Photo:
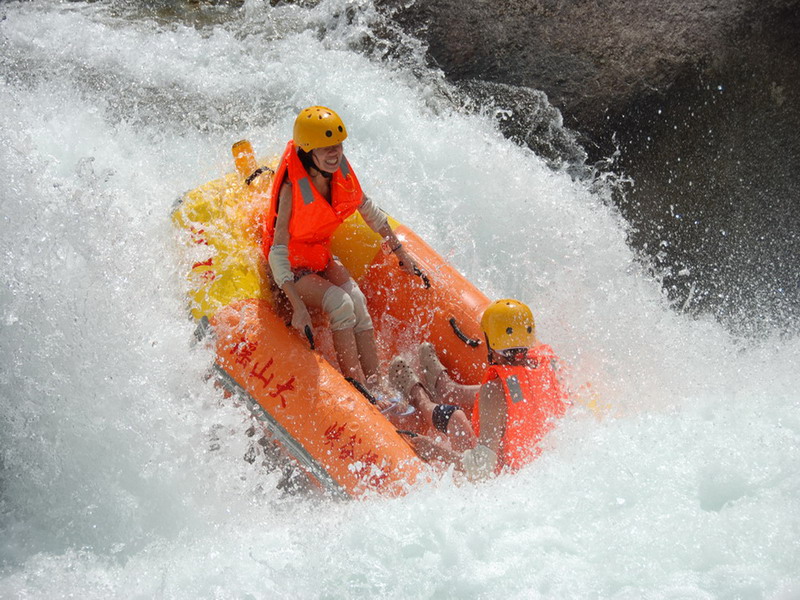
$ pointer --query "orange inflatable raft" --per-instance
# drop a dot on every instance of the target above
(313, 414)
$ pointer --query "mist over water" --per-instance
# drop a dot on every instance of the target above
(121, 466)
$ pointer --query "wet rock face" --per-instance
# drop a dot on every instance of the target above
(593, 59)
(717, 169)
(526, 116)
(701, 97)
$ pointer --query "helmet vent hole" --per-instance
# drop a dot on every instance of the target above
(509, 330)
(530, 329)
(340, 129)
(328, 133)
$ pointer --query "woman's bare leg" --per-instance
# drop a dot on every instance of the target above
(459, 394)
(368, 354)
(366, 347)
(312, 290)
(344, 343)
(442, 387)
(459, 429)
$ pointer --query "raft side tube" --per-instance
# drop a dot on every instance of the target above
(290, 446)
(304, 395)
(218, 219)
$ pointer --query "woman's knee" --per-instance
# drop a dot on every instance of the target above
(363, 319)
(339, 307)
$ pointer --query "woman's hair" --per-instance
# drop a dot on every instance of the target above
(308, 163)
(306, 160)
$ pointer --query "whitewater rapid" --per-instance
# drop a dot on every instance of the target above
(121, 466)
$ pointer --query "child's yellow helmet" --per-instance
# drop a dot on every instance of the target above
(508, 324)
(318, 127)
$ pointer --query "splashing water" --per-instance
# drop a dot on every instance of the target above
(121, 471)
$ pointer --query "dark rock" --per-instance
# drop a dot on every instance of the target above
(717, 169)
(698, 99)
(593, 59)
(527, 117)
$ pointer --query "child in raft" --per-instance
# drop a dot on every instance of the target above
(512, 409)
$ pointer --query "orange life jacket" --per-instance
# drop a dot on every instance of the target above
(534, 398)
(313, 219)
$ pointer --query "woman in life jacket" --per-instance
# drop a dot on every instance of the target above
(314, 190)
(514, 406)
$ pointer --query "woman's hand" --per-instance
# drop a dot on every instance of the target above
(301, 319)
(407, 263)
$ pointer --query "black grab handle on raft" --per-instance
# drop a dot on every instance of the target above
(422, 276)
(418, 272)
(360, 387)
(472, 343)
(256, 173)
(310, 336)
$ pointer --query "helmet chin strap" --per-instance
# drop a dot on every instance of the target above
(322, 172)
(307, 159)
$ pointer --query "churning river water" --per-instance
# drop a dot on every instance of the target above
(121, 469)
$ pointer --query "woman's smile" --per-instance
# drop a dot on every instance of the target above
(328, 158)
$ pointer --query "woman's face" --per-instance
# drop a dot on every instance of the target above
(328, 158)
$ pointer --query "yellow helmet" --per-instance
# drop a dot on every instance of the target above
(508, 324)
(317, 127)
